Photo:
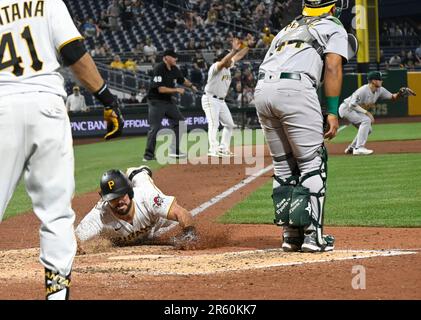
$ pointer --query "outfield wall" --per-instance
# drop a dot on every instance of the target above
(91, 124)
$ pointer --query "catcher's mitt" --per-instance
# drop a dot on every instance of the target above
(114, 120)
(405, 92)
(187, 239)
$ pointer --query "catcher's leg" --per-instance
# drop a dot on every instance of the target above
(313, 180)
(285, 179)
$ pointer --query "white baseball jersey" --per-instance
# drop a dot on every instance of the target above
(151, 205)
(76, 103)
(364, 97)
(301, 57)
(31, 35)
(218, 81)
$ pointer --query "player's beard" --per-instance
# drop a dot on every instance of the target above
(123, 209)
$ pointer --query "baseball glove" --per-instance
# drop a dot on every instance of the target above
(188, 239)
(114, 120)
(405, 92)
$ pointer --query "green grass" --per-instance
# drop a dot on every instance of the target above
(381, 190)
(383, 132)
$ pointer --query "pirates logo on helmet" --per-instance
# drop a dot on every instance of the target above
(115, 184)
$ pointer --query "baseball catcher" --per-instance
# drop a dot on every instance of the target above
(132, 209)
(356, 109)
(307, 52)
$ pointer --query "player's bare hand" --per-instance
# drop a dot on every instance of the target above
(180, 90)
(236, 44)
(332, 126)
(187, 240)
(370, 116)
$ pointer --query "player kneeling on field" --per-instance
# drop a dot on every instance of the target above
(132, 209)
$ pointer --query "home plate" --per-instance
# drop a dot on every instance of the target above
(168, 264)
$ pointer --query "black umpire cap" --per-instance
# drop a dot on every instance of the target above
(170, 52)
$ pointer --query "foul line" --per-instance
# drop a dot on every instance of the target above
(218, 198)
(342, 128)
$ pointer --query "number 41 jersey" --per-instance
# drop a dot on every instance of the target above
(32, 32)
(300, 56)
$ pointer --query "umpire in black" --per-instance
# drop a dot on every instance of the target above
(161, 105)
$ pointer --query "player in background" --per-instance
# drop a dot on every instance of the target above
(213, 100)
(34, 125)
(355, 110)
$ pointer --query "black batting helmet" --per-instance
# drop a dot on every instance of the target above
(115, 184)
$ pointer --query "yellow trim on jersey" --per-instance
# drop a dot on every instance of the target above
(69, 41)
(169, 208)
(315, 12)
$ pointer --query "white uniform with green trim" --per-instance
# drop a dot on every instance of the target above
(151, 211)
(364, 98)
(36, 139)
(216, 109)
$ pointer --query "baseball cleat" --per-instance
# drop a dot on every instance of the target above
(361, 151)
(213, 154)
(131, 172)
(292, 244)
(310, 243)
(225, 153)
(349, 150)
(178, 155)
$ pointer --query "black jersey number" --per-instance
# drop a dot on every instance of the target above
(8, 49)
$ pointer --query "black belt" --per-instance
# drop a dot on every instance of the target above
(283, 75)
(216, 97)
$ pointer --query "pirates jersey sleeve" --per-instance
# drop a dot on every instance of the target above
(154, 200)
(213, 70)
(92, 224)
(62, 28)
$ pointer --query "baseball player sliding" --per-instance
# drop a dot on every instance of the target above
(355, 110)
(34, 126)
(132, 209)
(213, 101)
(310, 48)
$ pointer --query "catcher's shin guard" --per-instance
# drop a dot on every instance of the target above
(315, 182)
(282, 199)
(57, 286)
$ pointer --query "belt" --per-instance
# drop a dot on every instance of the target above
(282, 75)
(216, 97)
